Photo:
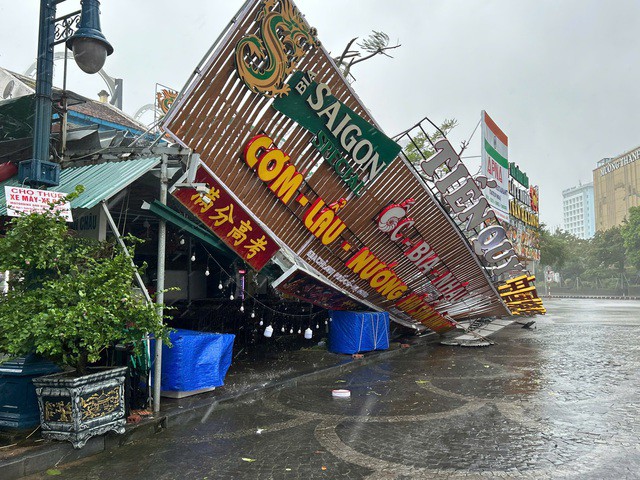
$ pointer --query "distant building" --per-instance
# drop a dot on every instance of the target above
(616, 183)
(578, 211)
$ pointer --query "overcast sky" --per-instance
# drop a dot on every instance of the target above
(560, 77)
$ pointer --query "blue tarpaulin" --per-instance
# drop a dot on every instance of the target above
(197, 360)
(354, 332)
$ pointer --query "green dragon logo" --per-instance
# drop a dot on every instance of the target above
(263, 62)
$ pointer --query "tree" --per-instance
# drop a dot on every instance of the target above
(631, 236)
(69, 297)
(608, 250)
(420, 148)
(553, 248)
(377, 43)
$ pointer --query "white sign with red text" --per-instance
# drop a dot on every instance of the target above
(22, 201)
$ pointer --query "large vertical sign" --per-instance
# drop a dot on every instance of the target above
(495, 164)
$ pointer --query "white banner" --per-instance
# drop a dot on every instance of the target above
(22, 200)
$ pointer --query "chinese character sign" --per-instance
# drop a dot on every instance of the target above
(228, 220)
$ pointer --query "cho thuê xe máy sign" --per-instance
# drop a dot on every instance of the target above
(217, 209)
(357, 151)
(23, 201)
(264, 61)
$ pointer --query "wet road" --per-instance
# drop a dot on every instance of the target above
(560, 401)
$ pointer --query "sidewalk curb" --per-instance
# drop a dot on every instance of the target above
(53, 454)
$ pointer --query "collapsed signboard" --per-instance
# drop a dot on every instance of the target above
(277, 125)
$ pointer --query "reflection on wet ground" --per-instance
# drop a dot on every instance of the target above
(558, 401)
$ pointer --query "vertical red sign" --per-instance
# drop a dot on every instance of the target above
(228, 220)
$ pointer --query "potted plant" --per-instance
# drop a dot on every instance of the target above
(69, 299)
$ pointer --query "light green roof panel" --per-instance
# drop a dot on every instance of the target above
(101, 181)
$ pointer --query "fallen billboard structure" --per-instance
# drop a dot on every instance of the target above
(278, 128)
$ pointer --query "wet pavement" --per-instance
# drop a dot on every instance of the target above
(558, 401)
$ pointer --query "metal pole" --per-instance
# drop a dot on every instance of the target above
(44, 80)
(162, 241)
(65, 116)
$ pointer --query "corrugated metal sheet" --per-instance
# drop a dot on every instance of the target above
(100, 181)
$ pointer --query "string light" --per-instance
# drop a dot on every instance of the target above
(291, 330)
(317, 326)
(231, 297)
(299, 331)
(242, 307)
(264, 306)
(207, 272)
(261, 322)
(193, 257)
(181, 241)
(282, 329)
(253, 314)
(268, 331)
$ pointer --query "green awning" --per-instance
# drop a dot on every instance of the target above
(188, 226)
(100, 181)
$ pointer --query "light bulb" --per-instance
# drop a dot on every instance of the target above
(325, 322)
(261, 323)
(231, 297)
(317, 326)
(291, 331)
(206, 272)
(253, 314)
(268, 331)
(182, 241)
(220, 287)
(299, 331)
(282, 329)
(242, 308)
(193, 257)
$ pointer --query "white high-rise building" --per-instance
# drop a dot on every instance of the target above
(579, 211)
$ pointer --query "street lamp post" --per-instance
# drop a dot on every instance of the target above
(90, 49)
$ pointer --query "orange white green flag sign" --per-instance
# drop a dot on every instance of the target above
(495, 165)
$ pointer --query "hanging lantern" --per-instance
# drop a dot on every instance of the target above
(268, 331)
(308, 333)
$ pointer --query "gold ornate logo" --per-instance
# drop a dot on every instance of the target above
(165, 98)
(264, 61)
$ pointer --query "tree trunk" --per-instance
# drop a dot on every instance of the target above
(82, 367)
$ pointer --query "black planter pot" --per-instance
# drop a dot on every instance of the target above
(78, 408)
